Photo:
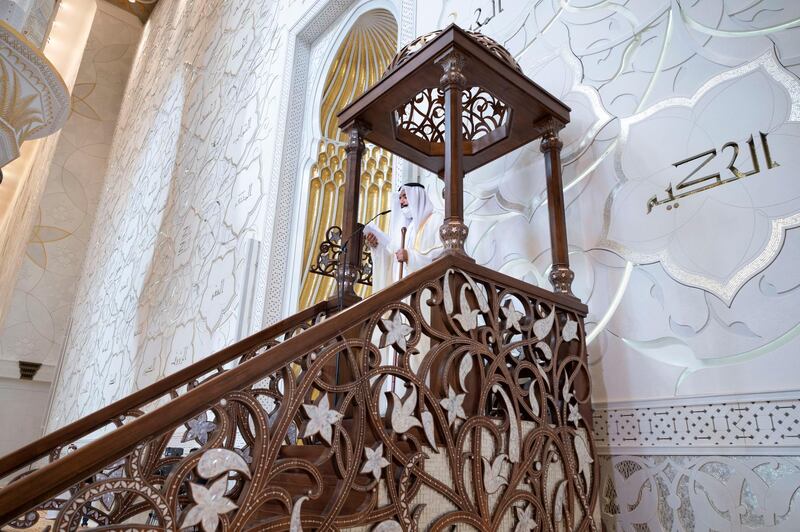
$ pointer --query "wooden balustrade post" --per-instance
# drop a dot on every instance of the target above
(453, 231)
(560, 275)
(350, 259)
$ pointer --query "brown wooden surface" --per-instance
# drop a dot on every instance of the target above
(56, 477)
(555, 201)
(84, 426)
(453, 150)
(529, 102)
(352, 189)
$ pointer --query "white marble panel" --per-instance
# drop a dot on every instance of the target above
(185, 186)
(35, 326)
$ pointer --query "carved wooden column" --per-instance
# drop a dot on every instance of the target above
(560, 275)
(453, 231)
(350, 260)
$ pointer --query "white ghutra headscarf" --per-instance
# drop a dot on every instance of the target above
(415, 215)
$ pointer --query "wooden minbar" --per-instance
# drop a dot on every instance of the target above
(452, 101)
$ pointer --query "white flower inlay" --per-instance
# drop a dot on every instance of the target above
(375, 461)
(533, 399)
(492, 479)
(402, 418)
(574, 415)
(566, 395)
(468, 317)
(199, 429)
(525, 521)
(544, 347)
(512, 316)
(585, 459)
(295, 521)
(396, 331)
(214, 462)
(453, 404)
(542, 327)
(211, 503)
(428, 425)
(463, 370)
(321, 418)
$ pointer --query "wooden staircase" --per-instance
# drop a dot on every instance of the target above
(288, 430)
(509, 387)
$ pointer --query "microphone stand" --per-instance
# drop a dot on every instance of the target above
(343, 257)
(340, 273)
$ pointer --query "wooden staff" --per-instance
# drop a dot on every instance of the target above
(402, 246)
(403, 231)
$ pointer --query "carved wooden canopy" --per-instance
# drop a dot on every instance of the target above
(502, 108)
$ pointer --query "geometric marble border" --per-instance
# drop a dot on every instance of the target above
(730, 425)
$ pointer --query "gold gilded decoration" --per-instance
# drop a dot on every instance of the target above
(716, 178)
(358, 64)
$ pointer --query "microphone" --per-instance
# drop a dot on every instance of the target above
(342, 251)
(360, 229)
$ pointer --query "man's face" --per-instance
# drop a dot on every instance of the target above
(403, 198)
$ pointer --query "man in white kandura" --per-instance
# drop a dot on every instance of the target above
(412, 209)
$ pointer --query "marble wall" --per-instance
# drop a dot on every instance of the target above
(700, 492)
(182, 200)
(24, 406)
(691, 294)
(38, 316)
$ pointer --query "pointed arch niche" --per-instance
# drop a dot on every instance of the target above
(359, 62)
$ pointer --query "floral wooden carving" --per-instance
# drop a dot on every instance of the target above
(488, 434)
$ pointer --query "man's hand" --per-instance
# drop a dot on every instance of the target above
(372, 240)
(402, 255)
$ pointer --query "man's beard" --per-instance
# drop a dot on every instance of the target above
(406, 211)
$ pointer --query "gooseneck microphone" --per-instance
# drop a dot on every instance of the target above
(360, 229)
(342, 251)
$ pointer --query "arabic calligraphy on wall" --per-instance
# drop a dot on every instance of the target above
(482, 14)
(687, 186)
(722, 236)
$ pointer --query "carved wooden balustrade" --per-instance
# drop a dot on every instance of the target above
(485, 425)
(51, 447)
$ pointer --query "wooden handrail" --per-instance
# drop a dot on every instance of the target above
(40, 448)
(58, 476)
